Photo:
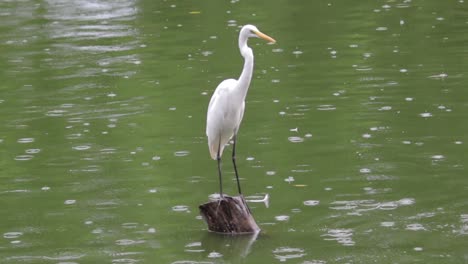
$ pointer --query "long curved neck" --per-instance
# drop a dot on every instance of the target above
(246, 75)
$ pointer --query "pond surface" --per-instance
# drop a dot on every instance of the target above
(355, 126)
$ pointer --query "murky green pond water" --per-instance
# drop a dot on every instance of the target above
(355, 125)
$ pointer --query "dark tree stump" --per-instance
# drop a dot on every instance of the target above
(230, 215)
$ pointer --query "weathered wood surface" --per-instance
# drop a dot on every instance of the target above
(230, 215)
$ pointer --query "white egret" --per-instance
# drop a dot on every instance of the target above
(227, 104)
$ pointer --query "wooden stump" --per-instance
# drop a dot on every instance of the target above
(230, 215)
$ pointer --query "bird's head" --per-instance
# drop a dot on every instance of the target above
(251, 31)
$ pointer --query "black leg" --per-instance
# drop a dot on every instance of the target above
(234, 163)
(218, 157)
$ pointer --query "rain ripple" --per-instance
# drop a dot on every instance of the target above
(180, 208)
(358, 206)
(12, 235)
(25, 140)
(341, 235)
(285, 253)
(23, 157)
(128, 242)
(194, 247)
(464, 225)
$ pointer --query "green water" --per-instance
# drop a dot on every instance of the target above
(355, 125)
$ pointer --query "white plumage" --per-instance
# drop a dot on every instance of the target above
(227, 104)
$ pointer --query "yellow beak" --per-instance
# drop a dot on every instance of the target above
(265, 37)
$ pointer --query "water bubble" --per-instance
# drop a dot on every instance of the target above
(387, 224)
(23, 157)
(207, 53)
(32, 151)
(215, 255)
(289, 179)
(156, 158)
(388, 206)
(181, 153)
(180, 208)
(295, 139)
(54, 113)
(385, 108)
(341, 235)
(439, 76)
(97, 231)
(425, 114)
(409, 99)
(270, 173)
(128, 242)
(415, 227)
(365, 170)
(12, 235)
(437, 157)
(45, 188)
(82, 147)
(381, 28)
(297, 52)
(406, 201)
(282, 218)
(69, 202)
(418, 249)
(403, 70)
(285, 253)
(25, 140)
(311, 202)
(151, 230)
(326, 107)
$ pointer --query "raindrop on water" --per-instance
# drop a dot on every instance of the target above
(180, 208)
(12, 235)
(289, 179)
(365, 170)
(311, 202)
(215, 255)
(282, 218)
(25, 140)
(181, 153)
(83, 147)
(69, 202)
(23, 157)
(387, 224)
(295, 139)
